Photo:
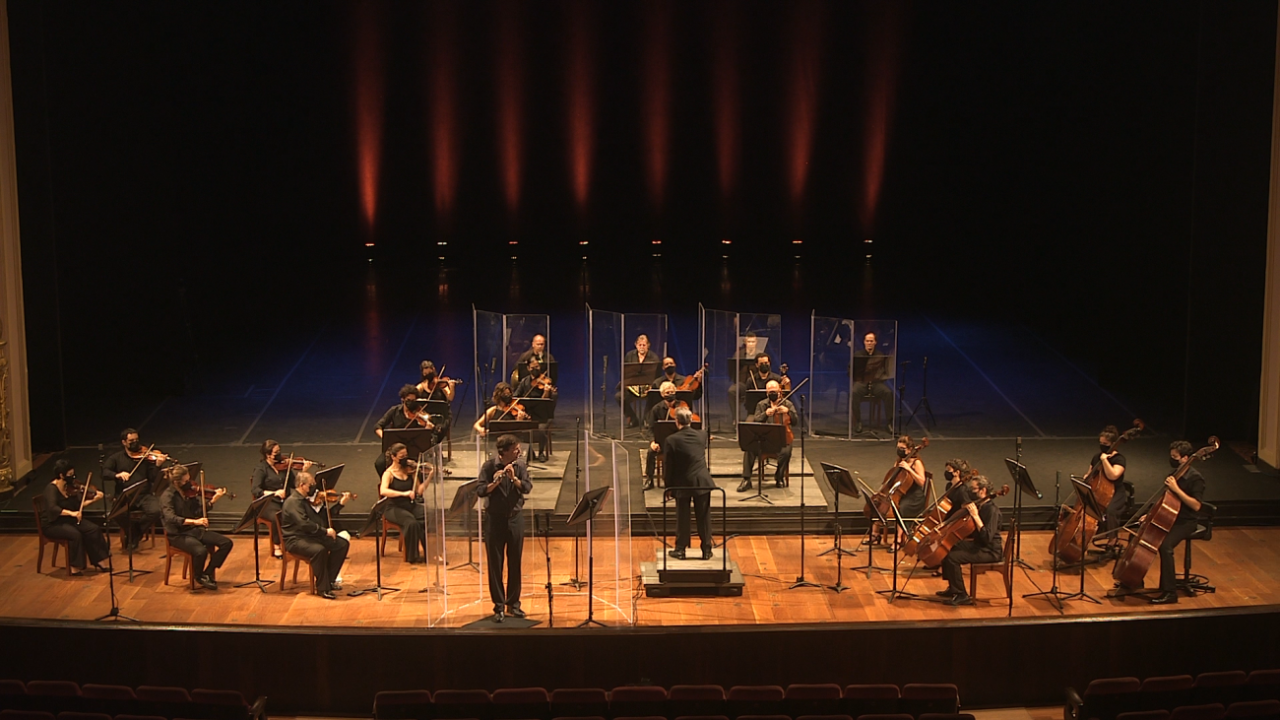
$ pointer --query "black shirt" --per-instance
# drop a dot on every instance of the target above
(1191, 483)
(300, 519)
(662, 412)
(1117, 460)
(763, 405)
(121, 462)
(175, 508)
(753, 380)
(871, 367)
(267, 479)
(683, 459)
(55, 502)
(507, 500)
(989, 536)
(395, 419)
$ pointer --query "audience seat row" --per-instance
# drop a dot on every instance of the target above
(1109, 698)
(852, 701)
(65, 697)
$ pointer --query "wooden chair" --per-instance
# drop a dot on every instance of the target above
(38, 503)
(169, 551)
(1004, 567)
(382, 541)
(297, 560)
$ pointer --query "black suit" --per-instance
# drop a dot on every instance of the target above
(305, 533)
(685, 466)
(504, 530)
(196, 540)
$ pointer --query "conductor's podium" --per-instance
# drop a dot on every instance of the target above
(694, 577)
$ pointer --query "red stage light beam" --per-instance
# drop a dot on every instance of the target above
(726, 95)
(510, 101)
(581, 79)
(657, 97)
(369, 105)
(806, 42)
(884, 48)
(444, 110)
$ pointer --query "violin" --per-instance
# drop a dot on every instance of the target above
(294, 463)
(329, 496)
(543, 383)
(694, 381)
(1144, 547)
(892, 490)
(937, 545)
(151, 454)
(193, 491)
(671, 411)
(514, 411)
(1066, 542)
(783, 417)
(75, 486)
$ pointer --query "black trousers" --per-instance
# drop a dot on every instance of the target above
(504, 537)
(149, 506)
(326, 554)
(1111, 520)
(965, 552)
(82, 538)
(701, 503)
(1168, 569)
(268, 512)
(208, 549)
(412, 522)
(880, 391)
(749, 464)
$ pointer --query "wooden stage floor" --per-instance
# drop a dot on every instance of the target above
(1243, 563)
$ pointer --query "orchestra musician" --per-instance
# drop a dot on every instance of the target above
(686, 468)
(537, 349)
(534, 384)
(628, 396)
(983, 546)
(434, 387)
(187, 524)
(402, 483)
(307, 533)
(272, 477)
(913, 502)
(132, 464)
(1190, 490)
(871, 373)
(662, 412)
(407, 414)
(766, 411)
(1112, 469)
(669, 374)
(957, 472)
(752, 377)
(505, 483)
(64, 502)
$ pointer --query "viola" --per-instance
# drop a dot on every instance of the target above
(892, 489)
(694, 381)
(782, 416)
(1144, 547)
(671, 411)
(1066, 541)
(937, 544)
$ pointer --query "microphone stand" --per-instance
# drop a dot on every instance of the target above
(800, 581)
(1017, 514)
(1054, 595)
(546, 546)
(574, 582)
(114, 612)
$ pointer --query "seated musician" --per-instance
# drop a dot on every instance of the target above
(307, 533)
(187, 523)
(752, 377)
(912, 504)
(128, 466)
(983, 546)
(407, 414)
(537, 349)
(405, 485)
(670, 375)
(273, 476)
(629, 395)
(535, 384)
(872, 370)
(1190, 490)
(1112, 470)
(504, 408)
(662, 412)
(957, 472)
(434, 387)
(63, 519)
(767, 410)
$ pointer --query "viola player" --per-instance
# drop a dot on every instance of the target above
(273, 476)
(768, 410)
(186, 522)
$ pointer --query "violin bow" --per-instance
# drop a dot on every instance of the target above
(204, 508)
(145, 453)
(84, 496)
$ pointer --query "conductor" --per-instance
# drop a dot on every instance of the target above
(686, 468)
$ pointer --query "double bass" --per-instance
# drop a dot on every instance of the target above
(1144, 546)
(937, 544)
(1067, 543)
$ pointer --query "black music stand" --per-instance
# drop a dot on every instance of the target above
(760, 438)
(418, 440)
(375, 514)
(585, 512)
(655, 395)
(1021, 483)
(884, 522)
(842, 483)
(464, 503)
(250, 517)
(637, 375)
(114, 612)
(540, 410)
(121, 505)
(1089, 506)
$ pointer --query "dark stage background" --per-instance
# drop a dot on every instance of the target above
(198, 182)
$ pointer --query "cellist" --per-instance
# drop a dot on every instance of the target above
(774, 408)
(983, 546)
(664, 411)
(1190, 490)
(913, 475)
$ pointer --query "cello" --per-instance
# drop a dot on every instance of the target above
(1066, 542)
(893, 488)
(1144, 546)
(937, 544)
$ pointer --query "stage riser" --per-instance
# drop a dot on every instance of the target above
(994, 663)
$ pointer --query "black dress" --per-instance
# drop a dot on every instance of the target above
(411, 517)
(81, 538)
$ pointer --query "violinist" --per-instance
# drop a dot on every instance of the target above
(130, 465)
(1190, 490)
(434, 387)
(64, 503)
(307, 533)
(872, 370)
(273, 476)
(983, 546)
(405, 485)
(504, 407)
(628, 396)
(504, 482)
(405, 415)
(186, 521)
(1112, 470)
(771, 409)
(753, 377)
(537, 349)
(535, 384)
(664, 411)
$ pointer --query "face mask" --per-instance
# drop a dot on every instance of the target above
(670, 399)
(134, 446)
(277, 457)
(950, 475)
(1104, 448)
(669, 371)
(505, 397)
(1175, 463)
(70, 477)
(774, 396)
(764, 368)
(902, 452)
(429, 375)
(411, 405)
